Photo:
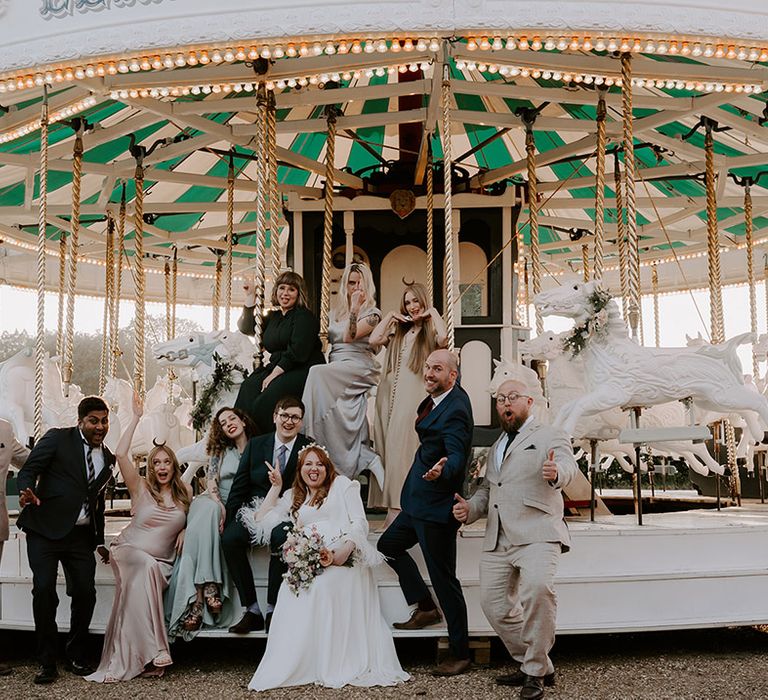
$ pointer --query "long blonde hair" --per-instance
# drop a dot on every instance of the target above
(179, 492)
(426, 338)
(341, 310)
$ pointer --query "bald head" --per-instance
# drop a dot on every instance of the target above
(440, 372)
(513, 404)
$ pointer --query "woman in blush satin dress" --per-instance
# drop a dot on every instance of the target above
(136, 642)
(331, 633)
(410, 335)
(336, 394)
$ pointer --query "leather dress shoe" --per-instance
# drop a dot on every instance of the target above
(250, 622)
(533, 688)
(79, 668)
(451, 667)
(518, 678)
(46, 675)
(419, 620)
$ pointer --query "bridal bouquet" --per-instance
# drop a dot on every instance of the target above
(302, 554)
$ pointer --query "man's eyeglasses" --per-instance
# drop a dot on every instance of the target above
(501, 399)
(289, 417)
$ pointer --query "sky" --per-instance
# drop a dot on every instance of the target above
(678, 315)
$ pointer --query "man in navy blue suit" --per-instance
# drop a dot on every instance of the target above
(444, 425)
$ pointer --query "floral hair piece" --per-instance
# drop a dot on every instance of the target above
(317, 447)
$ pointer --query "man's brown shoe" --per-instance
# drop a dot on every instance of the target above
(451, 667)
(518, 679)
(250, 622)
(419, 620)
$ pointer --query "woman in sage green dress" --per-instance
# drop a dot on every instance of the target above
(201, 593)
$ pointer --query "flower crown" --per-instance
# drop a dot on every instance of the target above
(317, 447)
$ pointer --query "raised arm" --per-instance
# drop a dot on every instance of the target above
(380, 335)
(441, 333)
(123, 452)
(247, 323)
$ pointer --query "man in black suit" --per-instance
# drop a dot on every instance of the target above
(61, 492)
(279, 448)
(444, 425)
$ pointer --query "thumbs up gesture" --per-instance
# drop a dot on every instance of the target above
(460, 508)
(549, 468)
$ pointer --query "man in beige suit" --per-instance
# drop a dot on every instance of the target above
(521, 495)
(11, 452)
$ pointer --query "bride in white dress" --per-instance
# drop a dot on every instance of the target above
(331, 633)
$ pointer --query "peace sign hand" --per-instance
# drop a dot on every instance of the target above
(275, 477)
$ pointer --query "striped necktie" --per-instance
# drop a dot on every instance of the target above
(511, 435)
(91, 471)
(281, 452)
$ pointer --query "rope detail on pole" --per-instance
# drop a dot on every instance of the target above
(600, 185)
(77, 176)
(230, 241)
(41, 225)
(325, 284)
(633, 254)
(585, 260)
(115, 327)
(621, 237)
(174, 280)
(448, 307)
(138, 225)
(713, 245)
(216, 300)
(748, 235)
(533, 218)
(261, 219)
(275, 198)
(655, 288)
(109, 274)
(62, 292)
(167, 284)
(430, 229)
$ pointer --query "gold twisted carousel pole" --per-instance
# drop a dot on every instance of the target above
(533, 218)
(230, 241)
(174, 288)
(655, 287)
(717, 331)
(109, 273)
(216, 300)
(77, 176)
(114, 334)
(585, 261)
(139, 280)
(261, 219)
(430, 227)
(600, 186)
(621, 242)
(748, 235)
(325, 284)
(41, 226)
(449, 315)
(633, 254)
(275, 198)
(62, 294)
(167, 289)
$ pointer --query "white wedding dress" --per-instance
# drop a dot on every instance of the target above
(332, 634)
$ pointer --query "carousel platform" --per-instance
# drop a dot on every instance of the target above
(698, 568)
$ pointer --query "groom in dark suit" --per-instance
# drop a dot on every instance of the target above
(444, 425)
(61, 492)
(279, 448)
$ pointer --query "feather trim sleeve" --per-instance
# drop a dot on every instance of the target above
(259, 518)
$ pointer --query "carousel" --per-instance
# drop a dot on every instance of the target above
(521, 160)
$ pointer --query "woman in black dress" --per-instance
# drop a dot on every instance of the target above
(290, 334)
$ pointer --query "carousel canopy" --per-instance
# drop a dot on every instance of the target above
(192, 113)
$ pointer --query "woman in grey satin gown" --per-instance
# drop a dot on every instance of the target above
(336, 394)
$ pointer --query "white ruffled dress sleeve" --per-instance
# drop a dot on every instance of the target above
(260, 522)
(355, 528)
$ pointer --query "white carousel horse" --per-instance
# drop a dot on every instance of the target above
(618, 372)
(17, 392)
(565, 380)
(159, 421)
(195, 352)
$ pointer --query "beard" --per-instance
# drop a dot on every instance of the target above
(514, 422)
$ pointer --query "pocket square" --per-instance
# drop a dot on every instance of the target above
(531, 447)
